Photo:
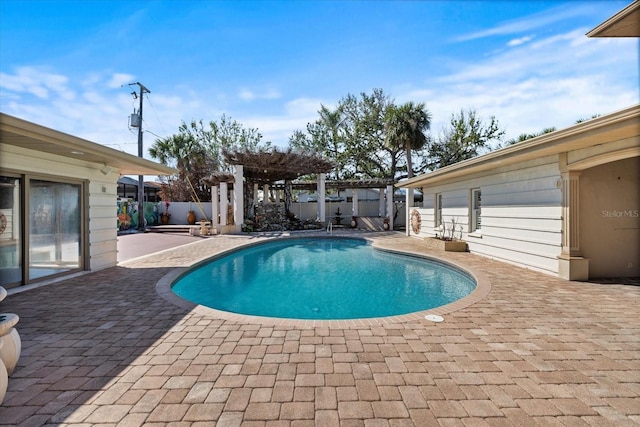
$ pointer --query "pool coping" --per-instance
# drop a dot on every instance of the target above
(483, 287)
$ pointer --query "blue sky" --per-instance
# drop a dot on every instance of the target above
(270, 65)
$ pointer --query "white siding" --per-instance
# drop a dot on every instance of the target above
(521, 213)
(101, 189)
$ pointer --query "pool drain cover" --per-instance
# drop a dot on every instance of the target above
(434, 318)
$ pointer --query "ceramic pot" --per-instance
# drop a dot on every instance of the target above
(191, 217)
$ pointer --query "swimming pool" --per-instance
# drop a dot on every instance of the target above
(321, 278)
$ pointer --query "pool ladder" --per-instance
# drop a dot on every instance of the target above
(330, 228)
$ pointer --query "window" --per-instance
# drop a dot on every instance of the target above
(476, 209)
(438, 211)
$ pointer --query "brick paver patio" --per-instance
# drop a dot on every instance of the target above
(105, 349)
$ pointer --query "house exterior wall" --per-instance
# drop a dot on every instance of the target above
(522, 210)
(610, 218)
(521, 213)
(100, 196)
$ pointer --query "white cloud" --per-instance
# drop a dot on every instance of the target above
(531, 22)
(120, 79)
(552, 82)
(37, 82)
(249, 95)
(519, 41)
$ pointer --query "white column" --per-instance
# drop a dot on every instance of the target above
(215, 206)
(571, 264)
(224, 203)
(265, 192)
(381, 204)
(409, 204)
(390, 191)
(238, 197)
(321, 195)
(354, 206)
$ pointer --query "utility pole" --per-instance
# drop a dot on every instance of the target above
(141, 227)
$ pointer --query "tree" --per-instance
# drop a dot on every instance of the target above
(594, 116)
(405, 126)
(174, 150)
(466, 137)
(325, 136)
(196, 151)
(226, 134)
(183, 152)
(371, 158)
(353, 136)
(525, 136)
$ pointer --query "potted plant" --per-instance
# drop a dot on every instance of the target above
(191, 217)
(166, 216)
(445, 238)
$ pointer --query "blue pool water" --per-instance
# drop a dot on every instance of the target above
(322, 278)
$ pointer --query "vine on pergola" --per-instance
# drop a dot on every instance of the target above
(268, 166)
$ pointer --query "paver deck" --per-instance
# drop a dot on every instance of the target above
(106, 349)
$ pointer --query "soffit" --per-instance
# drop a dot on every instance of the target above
(625, 23)
(602, 130)
(21, 133)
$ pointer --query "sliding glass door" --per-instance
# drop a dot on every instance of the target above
(55, 228)
(10, 231)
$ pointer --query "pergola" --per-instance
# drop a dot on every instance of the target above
(275, 170)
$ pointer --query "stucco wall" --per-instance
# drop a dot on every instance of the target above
(610, 218)
(101, 191)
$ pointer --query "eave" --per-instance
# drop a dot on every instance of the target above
(625, 23)
(21, 133)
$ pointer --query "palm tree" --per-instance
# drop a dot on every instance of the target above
(175, 148)
(191, 160)
(405, 126)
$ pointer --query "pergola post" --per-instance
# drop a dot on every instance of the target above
(249, 201)
(256, 189)
(409, 201)
(381, 204)
(265, 192)
(390, 205)
(354, 203)
(224, 203)
(288, 196)
(238, 197)
(215, 203)
(321, 196)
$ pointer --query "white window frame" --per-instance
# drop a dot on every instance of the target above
(475, 211)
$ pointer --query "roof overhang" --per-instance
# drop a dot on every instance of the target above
(21, 133)
(601, 130)
(625, 23)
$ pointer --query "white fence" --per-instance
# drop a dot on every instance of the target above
(303, 211)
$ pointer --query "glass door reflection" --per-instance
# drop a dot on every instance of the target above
(10, 231)
(54, 228)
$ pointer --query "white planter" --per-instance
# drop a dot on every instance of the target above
(10, 350)
(10, 343)
(4, 380)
